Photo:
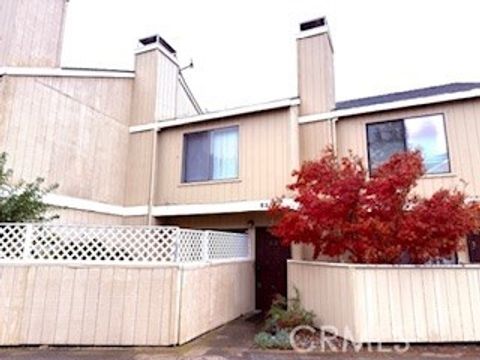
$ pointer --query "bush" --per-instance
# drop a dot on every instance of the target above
(343, 212)
(22, 201)
(279, 340)
(287, 314)
(284, 315)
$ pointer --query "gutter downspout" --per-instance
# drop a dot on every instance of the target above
(153, 170)
(333, 135)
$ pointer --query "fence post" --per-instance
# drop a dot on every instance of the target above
(205, 241)
(176, 255)
(27, 245)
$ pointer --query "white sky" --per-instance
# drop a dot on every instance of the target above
(244, 51)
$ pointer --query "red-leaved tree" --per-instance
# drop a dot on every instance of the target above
(372, 219)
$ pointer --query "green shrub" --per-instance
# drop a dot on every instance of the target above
(284, 315)
(279, 340)
(287, 314)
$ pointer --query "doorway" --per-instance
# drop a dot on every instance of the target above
(270, 268)
(473, 241)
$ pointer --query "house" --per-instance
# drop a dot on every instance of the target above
(135, 147)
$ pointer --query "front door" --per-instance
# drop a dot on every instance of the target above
(270, 268)
(474, 247)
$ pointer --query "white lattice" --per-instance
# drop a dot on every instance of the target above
(139, 244)
(223, 245)
(191, 245)
(12, 240)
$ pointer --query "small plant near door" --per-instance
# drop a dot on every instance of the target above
(373, 218)
(284, 315)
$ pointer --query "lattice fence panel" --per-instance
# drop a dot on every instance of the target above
(191, 245)
(139, 244)
(12, 241)
(104, 243)
(223, 245)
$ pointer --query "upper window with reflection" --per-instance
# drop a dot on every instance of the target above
(424, 133)
(211, 155)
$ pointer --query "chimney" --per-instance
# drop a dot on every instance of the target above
(31, 32)
(316, 84)
(155, 84)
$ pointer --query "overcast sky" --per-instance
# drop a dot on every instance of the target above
(244, 51)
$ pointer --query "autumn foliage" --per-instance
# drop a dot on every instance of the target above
(372, 219)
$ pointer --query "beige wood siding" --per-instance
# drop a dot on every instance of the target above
(139, 168)
(316, 83)
(71, 216)
(120, 305)
(135, 220)
(167, 84)
(390, 304)
(264, 161)
(215, 295)
(155, 89)
(70, 131)
(97, 306)
(184, 105)
(31, 32)
(314, 137)
(144, 88)
(462, 122)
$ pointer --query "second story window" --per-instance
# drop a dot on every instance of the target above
(425, 133)
(210, 155)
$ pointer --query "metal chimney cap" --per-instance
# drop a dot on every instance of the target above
(312, 24)
(157, 39)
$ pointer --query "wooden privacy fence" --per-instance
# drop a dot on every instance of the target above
(391, 303)
(119, 285)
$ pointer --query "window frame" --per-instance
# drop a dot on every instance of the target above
(210, 133)
(367, 142)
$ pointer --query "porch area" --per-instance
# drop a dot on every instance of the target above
(120, 285)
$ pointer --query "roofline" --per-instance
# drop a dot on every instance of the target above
(215, 115)
(428, 100)
(186, 88)
(59, 72)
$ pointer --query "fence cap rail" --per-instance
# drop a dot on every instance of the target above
(383, 266)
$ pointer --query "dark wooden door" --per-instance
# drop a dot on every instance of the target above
(271, 268)
(473, 241)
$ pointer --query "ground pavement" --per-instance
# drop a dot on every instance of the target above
(232, 341)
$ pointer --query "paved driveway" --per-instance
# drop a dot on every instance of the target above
(233, 341)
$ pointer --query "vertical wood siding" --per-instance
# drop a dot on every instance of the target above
(70, 131)
(71, 216)
(462, 122)
(167, 84)
(184, 106)
(157, 93)
(392, 303)
(264, 161)
(31, 32)
(314, 137)
(139, 168)
(88, 305)
(215, 295)
(144, 88)
(316, 84)
(118, 305)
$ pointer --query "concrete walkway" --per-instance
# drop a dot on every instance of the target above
(233, 341)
